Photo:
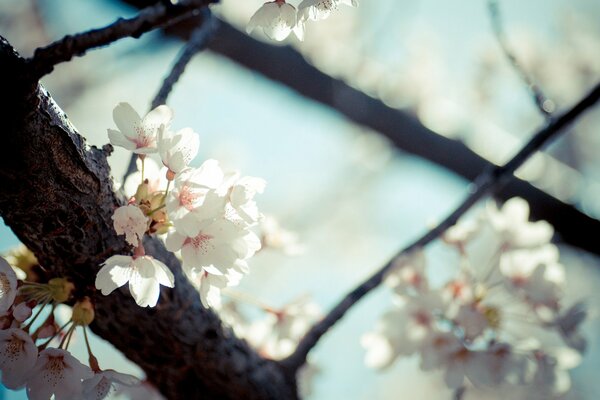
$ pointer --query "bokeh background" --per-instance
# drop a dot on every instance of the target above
(352, 198)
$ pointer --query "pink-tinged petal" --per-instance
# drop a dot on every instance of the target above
(161, 115)
(18, 355)
(116, 138)
(126, 119)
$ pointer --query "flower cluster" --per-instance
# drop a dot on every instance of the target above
(467, 326)
(47, 371)
(207, 213)
(278, 19)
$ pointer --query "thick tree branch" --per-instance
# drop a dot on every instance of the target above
(56, 195)
(543, 104)
(197, 42)
(152, 17)
(482, 185)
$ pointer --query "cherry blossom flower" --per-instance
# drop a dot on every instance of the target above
(460, 234)
(320, 9)
(273, 236)
(535, 274)
(219, 246)
(277, 335)
(57, 373)
(551, 373)
(131, 222)
(145, 274)
(100, 385)
(195, 198)
(209, 286)
(8, 286)
(408, 273)
(242, 195)
(495, 365)
(511, 224)
(177, 149)
(402, 330)
(136, 134)
(18, 355)
(277, 19)
(472, 319)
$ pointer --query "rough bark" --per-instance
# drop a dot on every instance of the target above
(56, 194)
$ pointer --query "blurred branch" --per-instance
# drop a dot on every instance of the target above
(485, 182)
(459, 393)
(196, 43)
(152, 17)
(543, 104)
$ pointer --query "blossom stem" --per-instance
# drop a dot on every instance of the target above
(37, 314)
(59, 330)
(486, 181)
(156, 209)
(167, 191)
(92, 359)
(50, 315)
(143, 160)
(66, 338)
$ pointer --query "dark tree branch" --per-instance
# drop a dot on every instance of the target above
(196, 43)
(542, 103)
(485, 182)
(56, 195)
(152, 17)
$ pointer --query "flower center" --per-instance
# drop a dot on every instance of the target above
(202, 242)
(4, 284)
(187, 198)
(14, 348)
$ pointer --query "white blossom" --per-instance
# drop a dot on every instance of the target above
(195, 198)
(402, 330)
(277, 19)
(408, 273)
(242, 195)
(57, 373)
(535, 274)
(320, 9)
(100, 385)
(551, 370)
(273, 236)
(219, 246)
(145, 274)
(567, 324)
(8, 286)
(18, 355)
(511, 224)
(134, 133)
(131, 222)
(277, 335)
(209, 286)
(177, 149)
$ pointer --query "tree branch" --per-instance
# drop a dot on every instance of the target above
(197, 42)
(56, 195)
(486, 181)
(543, 104)
(152, 17)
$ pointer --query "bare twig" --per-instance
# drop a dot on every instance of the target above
(198, 41)
(543, 104)
(45, 58)
(486, 181)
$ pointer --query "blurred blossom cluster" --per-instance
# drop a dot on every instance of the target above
(500, 320)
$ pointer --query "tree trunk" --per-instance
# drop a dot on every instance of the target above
(56, 194)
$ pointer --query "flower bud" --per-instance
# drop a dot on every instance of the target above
(60, 289)
(83, 312)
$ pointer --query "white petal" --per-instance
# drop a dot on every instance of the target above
(126, 118)
(115, 273)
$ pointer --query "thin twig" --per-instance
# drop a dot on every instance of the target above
(198, 41)
(542, 103)
(486, 181)
(158, 15)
